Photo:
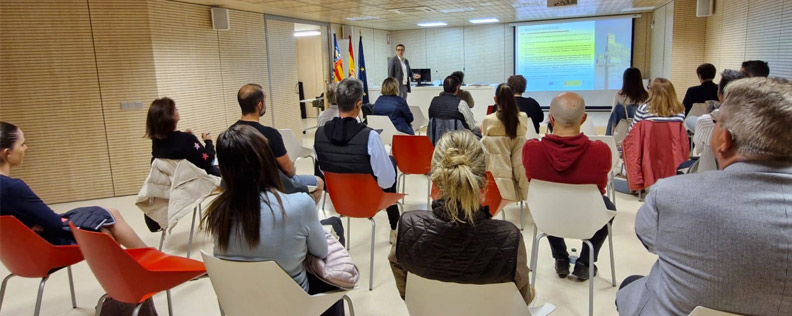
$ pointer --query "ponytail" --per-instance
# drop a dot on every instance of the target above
(458, 169)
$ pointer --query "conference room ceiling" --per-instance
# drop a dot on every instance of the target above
(406, 14)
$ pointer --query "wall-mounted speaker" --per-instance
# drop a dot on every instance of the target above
(220, 20)
(704, 8)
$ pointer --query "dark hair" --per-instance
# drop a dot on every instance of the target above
(632, 86)
(249, 97)
(450, 84)
(348, 92)
(756, 68)
(161, 118)
(507, 109)
(402, 46)
(517, 82)
(706, 71)
(9, 134)
(248, 168)
(727, 76)
(460, 75)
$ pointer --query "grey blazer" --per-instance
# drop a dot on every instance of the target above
(395, 70)
(724, 241)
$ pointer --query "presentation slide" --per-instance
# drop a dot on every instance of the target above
(574, 56)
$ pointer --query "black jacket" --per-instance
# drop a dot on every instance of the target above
(342, 146)
(708, 90)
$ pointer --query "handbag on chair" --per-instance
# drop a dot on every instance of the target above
(337, 268)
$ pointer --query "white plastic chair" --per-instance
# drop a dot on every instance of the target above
(256, 288)
(569, 211)
(588, 128)
(419, 120)
(294, 149)
(384, 123)
(703, 311)
(611, 142)
(426, 297)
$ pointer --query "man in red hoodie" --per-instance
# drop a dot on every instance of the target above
(568, 156)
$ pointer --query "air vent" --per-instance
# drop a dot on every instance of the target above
(413, 10)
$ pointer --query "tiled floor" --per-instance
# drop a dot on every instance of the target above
(198, 298)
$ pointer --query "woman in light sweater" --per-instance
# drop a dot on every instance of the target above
(252, 220)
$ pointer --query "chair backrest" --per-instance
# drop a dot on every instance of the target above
(426, 297)
(384, 123)
(293, 147)
(703, 311)
(492, 196)
(698, 109)
(706, 161)
(419, 119)
(588, 128)
(567, 210)
(438, 127)
(251, 288)
(490, 109)
(26, 254)
(354, 194)
(113, 267)
(413, 154)
(366, 110)
(611, 142)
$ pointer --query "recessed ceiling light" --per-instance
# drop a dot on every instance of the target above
(363, 18)
(637, 9)
(485, 20)
(307, 33)
(432, 24)
(458, 10)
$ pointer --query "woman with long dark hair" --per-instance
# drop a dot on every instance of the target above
(627, 100)
(18, 200)
(253, 220)
(169, 143)
(503, 138)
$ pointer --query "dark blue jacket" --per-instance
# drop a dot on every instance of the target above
(396, 108)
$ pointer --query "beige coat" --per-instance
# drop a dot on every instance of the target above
(504, 156)
(172, 189)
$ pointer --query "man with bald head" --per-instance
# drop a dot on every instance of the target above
(568, 156)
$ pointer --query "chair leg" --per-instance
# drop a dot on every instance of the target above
(192, 231)
(521, 216)
(403, 182)
(324, 199)
(170, 302)
(99, 304)
(349, 303)
(591, 277)
(71, 287)
(222, 312)
(533, 240)
(136, 311)
(534, 255)
(3, 288)
(40, 295)
(613, 264)
(162, 239)
(371, 263)
(349, 232)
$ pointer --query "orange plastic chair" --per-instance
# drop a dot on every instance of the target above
(358, 195)
(133, 275)
(413, 155)
(490, 109)
(492, 197)
(28, 255)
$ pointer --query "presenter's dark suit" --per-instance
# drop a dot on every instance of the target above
(395, 71)
(708, 90)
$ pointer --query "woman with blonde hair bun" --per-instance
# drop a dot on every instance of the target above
(476, 249)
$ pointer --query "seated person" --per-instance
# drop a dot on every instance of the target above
(449, 106)
(476, 248)
(462, 94)
(662, 106)
(332, 109)
(394, 106)
(708, 90)
(568, 156)
(253, 220)
(722, 237)
(345, 145)
(755, 68)
(626, 101)
(704, 123)
(503, 139)
(169, 143)
(528, 105)
(252, 101)
(18, 200)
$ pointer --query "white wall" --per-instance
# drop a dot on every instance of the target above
(376, 51)
(662, 36)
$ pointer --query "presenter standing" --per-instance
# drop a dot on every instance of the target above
(399, 68)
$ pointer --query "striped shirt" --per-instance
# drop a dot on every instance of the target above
(643, 114)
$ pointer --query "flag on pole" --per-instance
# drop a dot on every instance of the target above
(338, 65)
(362, 72)
(352, 69)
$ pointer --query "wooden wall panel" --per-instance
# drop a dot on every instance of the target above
(243, 56)
(688, 46)
(50, 90)
(642, 43)
(187, 63)
(125, 62)
(285, 104)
